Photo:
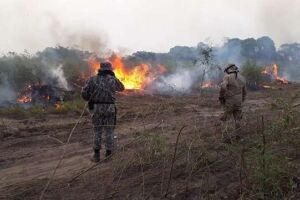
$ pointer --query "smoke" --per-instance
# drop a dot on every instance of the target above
(79, 37)
(180, 81)
(183, 80)
(229, 52)
(52, 69)
(7, 93)
(58, 74)
(279, 18)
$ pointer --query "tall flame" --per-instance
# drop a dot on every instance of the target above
(272, 70)
(94, 65)
(137, 77)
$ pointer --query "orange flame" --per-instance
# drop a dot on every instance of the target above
(266, 86)
(94, 65)
(57, 106)
(47, 97)
(272, 70)
(208, 84)
(24, 99)
(137, 77)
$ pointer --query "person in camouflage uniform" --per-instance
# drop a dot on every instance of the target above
(100, 92)
(232, 95)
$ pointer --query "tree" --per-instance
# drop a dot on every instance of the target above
(253, 75)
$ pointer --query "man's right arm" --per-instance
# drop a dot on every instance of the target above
(119, 85)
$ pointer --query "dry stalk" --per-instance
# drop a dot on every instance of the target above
(263, 151)
(63, 154)
(173, 161)
(241, 170)
(188, 166)
(162, 177)
(143, 176)
(56, 139)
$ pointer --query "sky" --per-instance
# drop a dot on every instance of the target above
(142, 25)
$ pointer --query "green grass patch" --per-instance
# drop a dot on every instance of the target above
(17, 111)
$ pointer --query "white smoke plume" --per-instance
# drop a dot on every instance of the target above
(58, 74)
(181, 81)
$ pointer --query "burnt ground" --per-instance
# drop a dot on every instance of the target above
(204, 167)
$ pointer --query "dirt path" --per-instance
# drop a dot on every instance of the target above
(32, 147)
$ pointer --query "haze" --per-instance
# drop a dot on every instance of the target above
(132, 25)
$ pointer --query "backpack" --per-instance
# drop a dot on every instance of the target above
(101, 91)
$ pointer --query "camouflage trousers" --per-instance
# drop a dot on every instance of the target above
(232, 110)
(104, 124)
(236, 112)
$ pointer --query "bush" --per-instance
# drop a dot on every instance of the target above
(253, 75)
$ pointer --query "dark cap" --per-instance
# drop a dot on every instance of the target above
(106, 66)
(231, 68)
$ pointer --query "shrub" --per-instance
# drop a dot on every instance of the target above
(253, 75)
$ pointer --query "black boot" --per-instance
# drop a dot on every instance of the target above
(96, 156)
(108, 153)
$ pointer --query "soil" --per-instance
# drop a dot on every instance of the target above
(31, 149)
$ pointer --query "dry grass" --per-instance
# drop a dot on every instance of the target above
(264, 165)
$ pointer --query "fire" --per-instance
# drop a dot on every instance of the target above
(94, 65)
(46, 97)
(24, 99)
(272, 70)
(41, 95)
(57, 106)
(266, 86)
(137, 77)
(208, 84)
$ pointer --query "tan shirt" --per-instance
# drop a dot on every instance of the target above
(233, 88)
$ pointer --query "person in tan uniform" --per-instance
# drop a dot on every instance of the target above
(232, 95)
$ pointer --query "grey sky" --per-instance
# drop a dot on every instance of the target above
(154, 25)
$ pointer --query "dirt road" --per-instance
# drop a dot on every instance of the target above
(31, 148)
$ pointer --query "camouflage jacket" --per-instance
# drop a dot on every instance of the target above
(101, 89)
(233, 88)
